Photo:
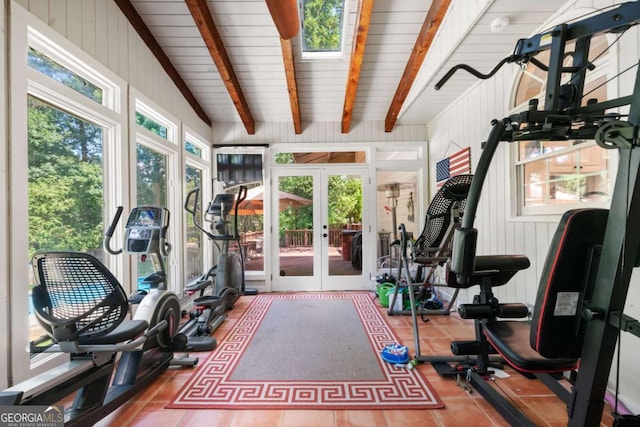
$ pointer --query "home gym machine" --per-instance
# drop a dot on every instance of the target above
(226, 279)
(578, 315)
(85, 311)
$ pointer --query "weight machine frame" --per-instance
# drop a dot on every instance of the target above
(564, 117)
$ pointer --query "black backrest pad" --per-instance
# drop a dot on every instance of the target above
(438, 216)
(556, 327)
(76, 297)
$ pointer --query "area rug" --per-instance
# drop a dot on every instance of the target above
(303, 351)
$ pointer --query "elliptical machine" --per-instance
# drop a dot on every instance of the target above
(84, 310)
(145, 236)
(226, 278)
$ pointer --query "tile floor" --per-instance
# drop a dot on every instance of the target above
(462, 407)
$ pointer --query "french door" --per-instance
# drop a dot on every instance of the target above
(321, 230)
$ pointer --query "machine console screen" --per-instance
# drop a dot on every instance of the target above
(145, 217)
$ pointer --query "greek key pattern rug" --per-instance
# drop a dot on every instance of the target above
(306, 351)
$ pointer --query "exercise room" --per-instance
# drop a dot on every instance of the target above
(320, 213)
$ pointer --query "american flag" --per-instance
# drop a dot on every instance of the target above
(456, 164)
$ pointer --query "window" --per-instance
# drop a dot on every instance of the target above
(157, 174)
(295, 158)
(192, 148)
(49, 67)
(197, 256)
(63, 151)
(235, 168)
(65, 184)
(553, 175)
(156, 122)
(322, 23)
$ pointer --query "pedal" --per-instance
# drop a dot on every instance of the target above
(202, 343)
(208, 301)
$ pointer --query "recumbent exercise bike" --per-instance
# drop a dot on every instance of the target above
(85, 311)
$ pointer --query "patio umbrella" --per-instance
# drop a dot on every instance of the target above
(254, 203)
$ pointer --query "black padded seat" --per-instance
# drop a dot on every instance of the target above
(499, 269)
(511, 340)
(552, 341)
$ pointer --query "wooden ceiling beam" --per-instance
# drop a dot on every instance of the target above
(357, 55)
(285, 16)
(147, 37)
(432, 22)
(204, 21)
(292, 86)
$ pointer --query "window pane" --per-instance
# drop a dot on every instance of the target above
(565, 190)
(535, 185)
(65, 185)
(244, 168)
(151, 125)
(47, 66)
(194, 236)
(320, 157)
(151, 186)
(322, 25)
(193, 148)
(235, 169)
(151, 173)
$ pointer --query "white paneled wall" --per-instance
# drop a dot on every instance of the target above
(267, 133)
(467, 123)
(101, 30)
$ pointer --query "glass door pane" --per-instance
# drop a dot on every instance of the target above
(344, 212)
(296, 225)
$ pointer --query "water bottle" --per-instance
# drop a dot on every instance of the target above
(412, 364)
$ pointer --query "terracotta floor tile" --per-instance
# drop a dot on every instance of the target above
(153, 414)
(308, 418)
(461, 407)
(360, 419)
(462, 411)
(414, 417)
(208, 417)
(262, 418)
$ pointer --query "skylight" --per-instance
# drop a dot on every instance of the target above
(322, 28)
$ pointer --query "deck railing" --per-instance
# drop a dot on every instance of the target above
(298, 238)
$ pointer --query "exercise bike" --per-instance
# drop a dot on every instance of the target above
(85, 311)
(226, 278)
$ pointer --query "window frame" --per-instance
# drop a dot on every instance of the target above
(27, 31)
(171, 148)
(203, 163)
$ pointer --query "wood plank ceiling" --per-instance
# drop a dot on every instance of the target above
(232, 65)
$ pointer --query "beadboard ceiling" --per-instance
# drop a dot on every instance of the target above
(257, 89)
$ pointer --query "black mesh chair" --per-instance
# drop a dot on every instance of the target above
(435, 239)
(78, 299)
(433, 247)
